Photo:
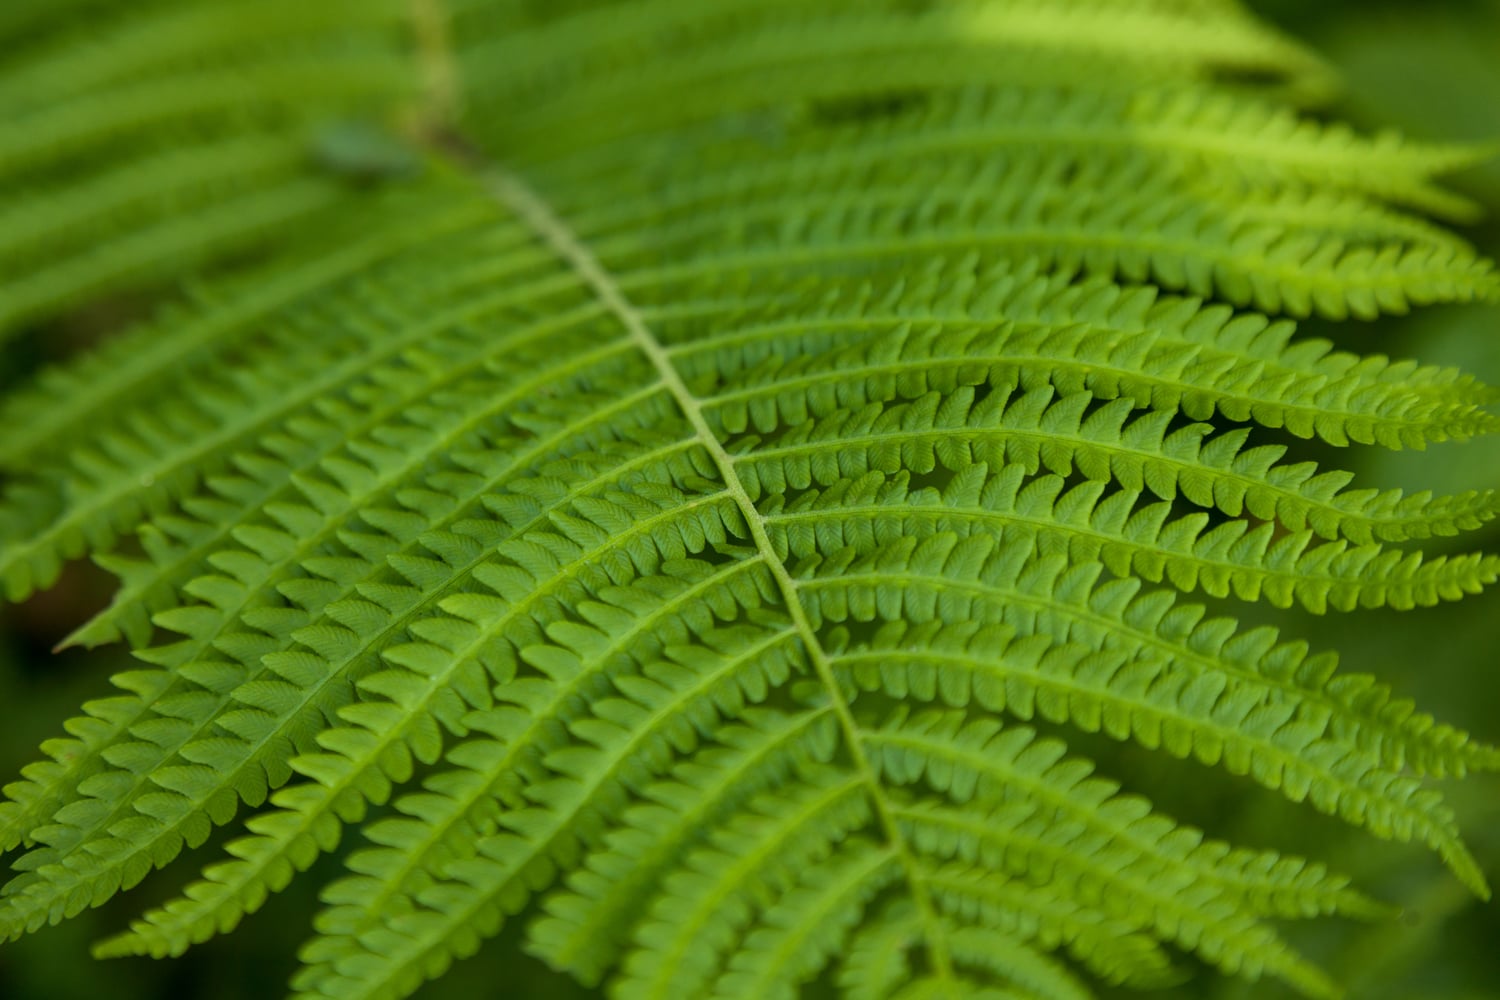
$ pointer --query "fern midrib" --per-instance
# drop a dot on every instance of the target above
(553, 231)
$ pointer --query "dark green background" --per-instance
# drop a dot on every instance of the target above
(1429, 68)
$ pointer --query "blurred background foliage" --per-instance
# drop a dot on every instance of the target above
(1430, 68)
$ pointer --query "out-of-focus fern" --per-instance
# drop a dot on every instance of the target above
(699, 463)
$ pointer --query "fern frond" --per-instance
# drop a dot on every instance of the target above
(1113, 223)
(1071, 433)
(670, 64)
(1110, 693)
(1009, 837)
(180, 350)
(650, 481)
(158, 454)
(1091, 525)
(1184, 131)
(921, 581)
(974, 761)
(1116, 342)
(1114, 949)
(176, 136)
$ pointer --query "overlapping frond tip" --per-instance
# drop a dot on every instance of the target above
(682, 472)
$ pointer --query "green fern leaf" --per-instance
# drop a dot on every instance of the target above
(682, 474)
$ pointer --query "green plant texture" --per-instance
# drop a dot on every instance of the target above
(738, 500)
